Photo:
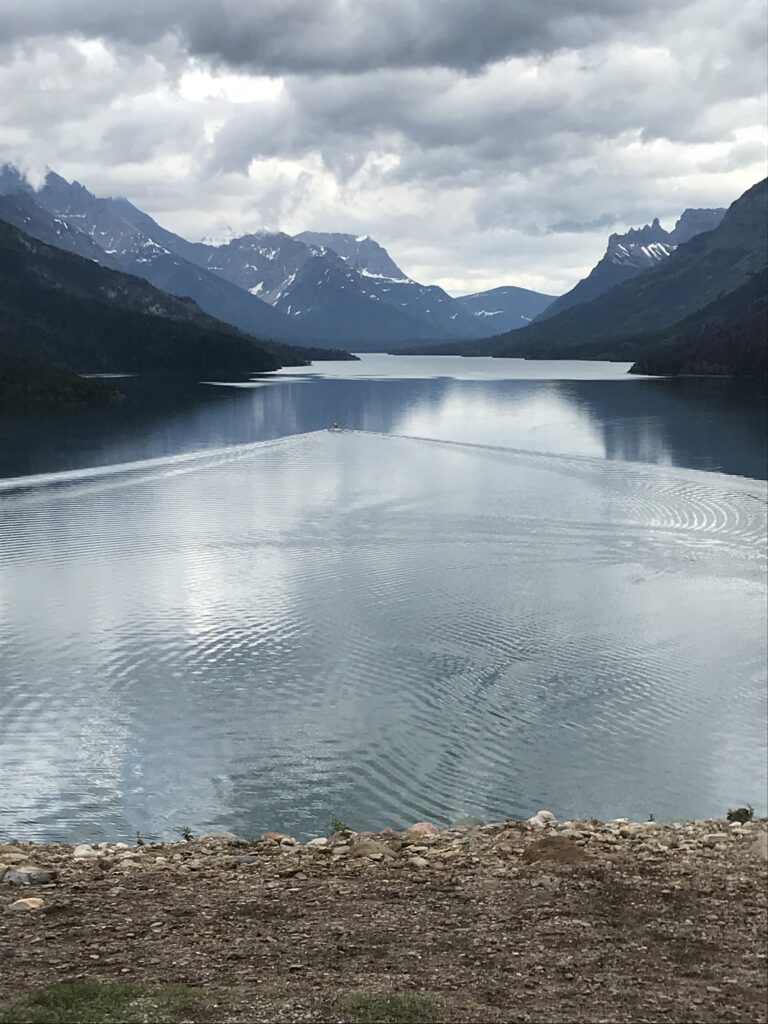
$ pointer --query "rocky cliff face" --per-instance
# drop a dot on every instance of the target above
(629, 254)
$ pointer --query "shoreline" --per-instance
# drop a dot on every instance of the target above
(533, 920)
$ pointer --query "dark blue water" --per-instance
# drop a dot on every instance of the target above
(715, 425)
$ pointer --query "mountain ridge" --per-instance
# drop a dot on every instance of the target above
(632, 252)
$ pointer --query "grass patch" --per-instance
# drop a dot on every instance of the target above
(388, 1008)
(101, 1002)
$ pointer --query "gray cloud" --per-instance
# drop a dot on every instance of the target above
(484, 143)
(303, 36)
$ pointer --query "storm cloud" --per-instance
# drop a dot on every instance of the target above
(483, 143)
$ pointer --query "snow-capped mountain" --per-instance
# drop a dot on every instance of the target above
(327, 289)
(504, 309)
(630, 254)
(361, 252)
(346, 293)
(145, 252)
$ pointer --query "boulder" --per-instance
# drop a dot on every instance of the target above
(28, 874)
(84, 851)
(421, 830)
(543, 819)
(370, 848)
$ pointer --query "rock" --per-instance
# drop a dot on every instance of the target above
(275, 837)
(467, 821)
(420, 829)
(760, 846)
(321, 841)
(29, 903)
(8, 851)
(28, 874)
(122, 846)
(714, 840)
(13, 858)
(84, 851)
(370, 848)
(542, 819)
(554, 848)
(418, 862)
(249, 859)
(571, 833)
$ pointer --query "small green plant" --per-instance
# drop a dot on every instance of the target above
(139, 840)
(186, 834)
(339, 825)
(75, 1002)
(388, 1008)
(651, 817)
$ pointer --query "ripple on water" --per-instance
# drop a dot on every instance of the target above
(379, 628)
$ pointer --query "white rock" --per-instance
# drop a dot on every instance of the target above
(542, 819)
(84, 851)
(30, 903)
(419, 862)
(320, 841)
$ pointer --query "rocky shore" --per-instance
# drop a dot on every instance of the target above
(534, 920)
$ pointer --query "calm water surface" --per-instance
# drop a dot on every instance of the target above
(503, 586)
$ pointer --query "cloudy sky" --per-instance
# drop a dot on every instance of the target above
(484, 142)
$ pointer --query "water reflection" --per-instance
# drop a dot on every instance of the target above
(390, 627)
(714, 425)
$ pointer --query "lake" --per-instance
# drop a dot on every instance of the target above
(502, 586)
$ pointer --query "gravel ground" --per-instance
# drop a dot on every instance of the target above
(519, 921)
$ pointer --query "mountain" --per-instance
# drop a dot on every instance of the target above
(143, 254)
(630, 254)
(58, 308)
(504, 309)
(361, 252)
(23, 212)
(728, 336)
(328, 295)
(618, 323)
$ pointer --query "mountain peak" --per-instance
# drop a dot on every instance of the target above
(361, 252)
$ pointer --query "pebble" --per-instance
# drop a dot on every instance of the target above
(29, 903)
(418, 862)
